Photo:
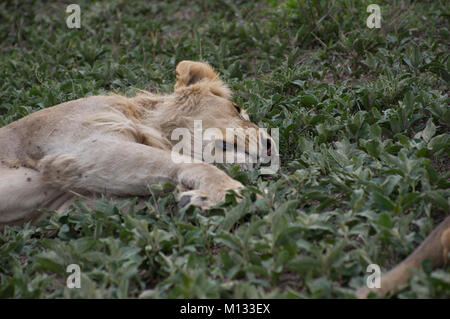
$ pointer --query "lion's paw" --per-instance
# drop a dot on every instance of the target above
(197, 198)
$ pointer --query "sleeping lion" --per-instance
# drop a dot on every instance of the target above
(118, 146)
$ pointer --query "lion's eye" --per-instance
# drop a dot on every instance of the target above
(237, 107)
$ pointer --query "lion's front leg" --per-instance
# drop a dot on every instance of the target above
(125, 168)
(206, 184)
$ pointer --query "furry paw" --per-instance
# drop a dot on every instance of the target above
(197, 198)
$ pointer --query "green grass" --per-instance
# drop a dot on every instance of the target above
(364, 140)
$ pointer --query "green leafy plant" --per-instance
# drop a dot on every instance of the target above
(363, 118)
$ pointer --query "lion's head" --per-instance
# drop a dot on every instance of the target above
(200, 120)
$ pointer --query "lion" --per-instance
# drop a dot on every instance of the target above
(118, 146)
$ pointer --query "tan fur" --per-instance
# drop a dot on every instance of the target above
(435, 247)
(115, 146)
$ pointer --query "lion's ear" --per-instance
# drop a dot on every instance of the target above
(190, 72)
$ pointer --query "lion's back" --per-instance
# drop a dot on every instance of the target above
(34, 135)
